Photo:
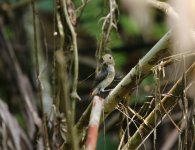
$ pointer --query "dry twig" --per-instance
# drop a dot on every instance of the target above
(168, 103)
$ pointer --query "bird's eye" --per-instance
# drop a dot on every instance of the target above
(109, 57)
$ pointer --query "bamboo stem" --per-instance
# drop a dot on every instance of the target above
(94, 123)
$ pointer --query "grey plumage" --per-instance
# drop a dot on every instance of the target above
(106, 74)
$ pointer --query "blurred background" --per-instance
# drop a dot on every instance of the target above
(139, 27)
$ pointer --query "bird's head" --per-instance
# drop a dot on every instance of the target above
(108, 59)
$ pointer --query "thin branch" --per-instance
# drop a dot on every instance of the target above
(64, 97)
(36, 55)
(82, 8)
(74, 93)
(142, 69)
(165, 7)
(168, 102)
(169, 11)
(109, 22)
(62, 36)
(172, 137)
(128, 84)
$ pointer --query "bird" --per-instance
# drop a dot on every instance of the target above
(105, 75)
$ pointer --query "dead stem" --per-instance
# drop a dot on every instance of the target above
(168, 102)
(127, 84)
(109, 22)
(65, 102)
(74, 94)
(36, 55)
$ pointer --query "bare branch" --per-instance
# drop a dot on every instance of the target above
(109, 22)
(65, 99)
(128, 84)
(165, 7)
(168, 102)
(70, 22)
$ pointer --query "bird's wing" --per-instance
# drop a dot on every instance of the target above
(102, 74)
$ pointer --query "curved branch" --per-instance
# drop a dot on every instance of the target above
(165, 7)
(128, 84)
(109, 22)
(141, 70)
(74, 93)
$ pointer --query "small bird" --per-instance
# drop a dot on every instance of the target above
(106, 74)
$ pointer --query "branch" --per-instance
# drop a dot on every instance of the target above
(66, 106)
(169, 11)
(173, 136)
(64, 97)
(36, 57)
(70, 21)
(94, 123)
(109, 22)
(128, 84)
(155, 118)
(165, 7)
(141, 70)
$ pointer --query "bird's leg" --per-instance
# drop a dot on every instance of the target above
(108, 90)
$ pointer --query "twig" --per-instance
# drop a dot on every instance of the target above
(157, 74)
(109, 20)
(165, 7)
(172, 137)
(94, 123)
(108, 23)
(74, 93)
(168, 102)
(62, 36)
(64, 88)
(127, 85)
(45, 135)
(70, 21)
(81, 8)
(65, 98)
(169, 11)
(36, 55)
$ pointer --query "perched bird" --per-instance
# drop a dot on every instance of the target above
(106, 74)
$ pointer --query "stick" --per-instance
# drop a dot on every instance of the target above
(94, 123)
